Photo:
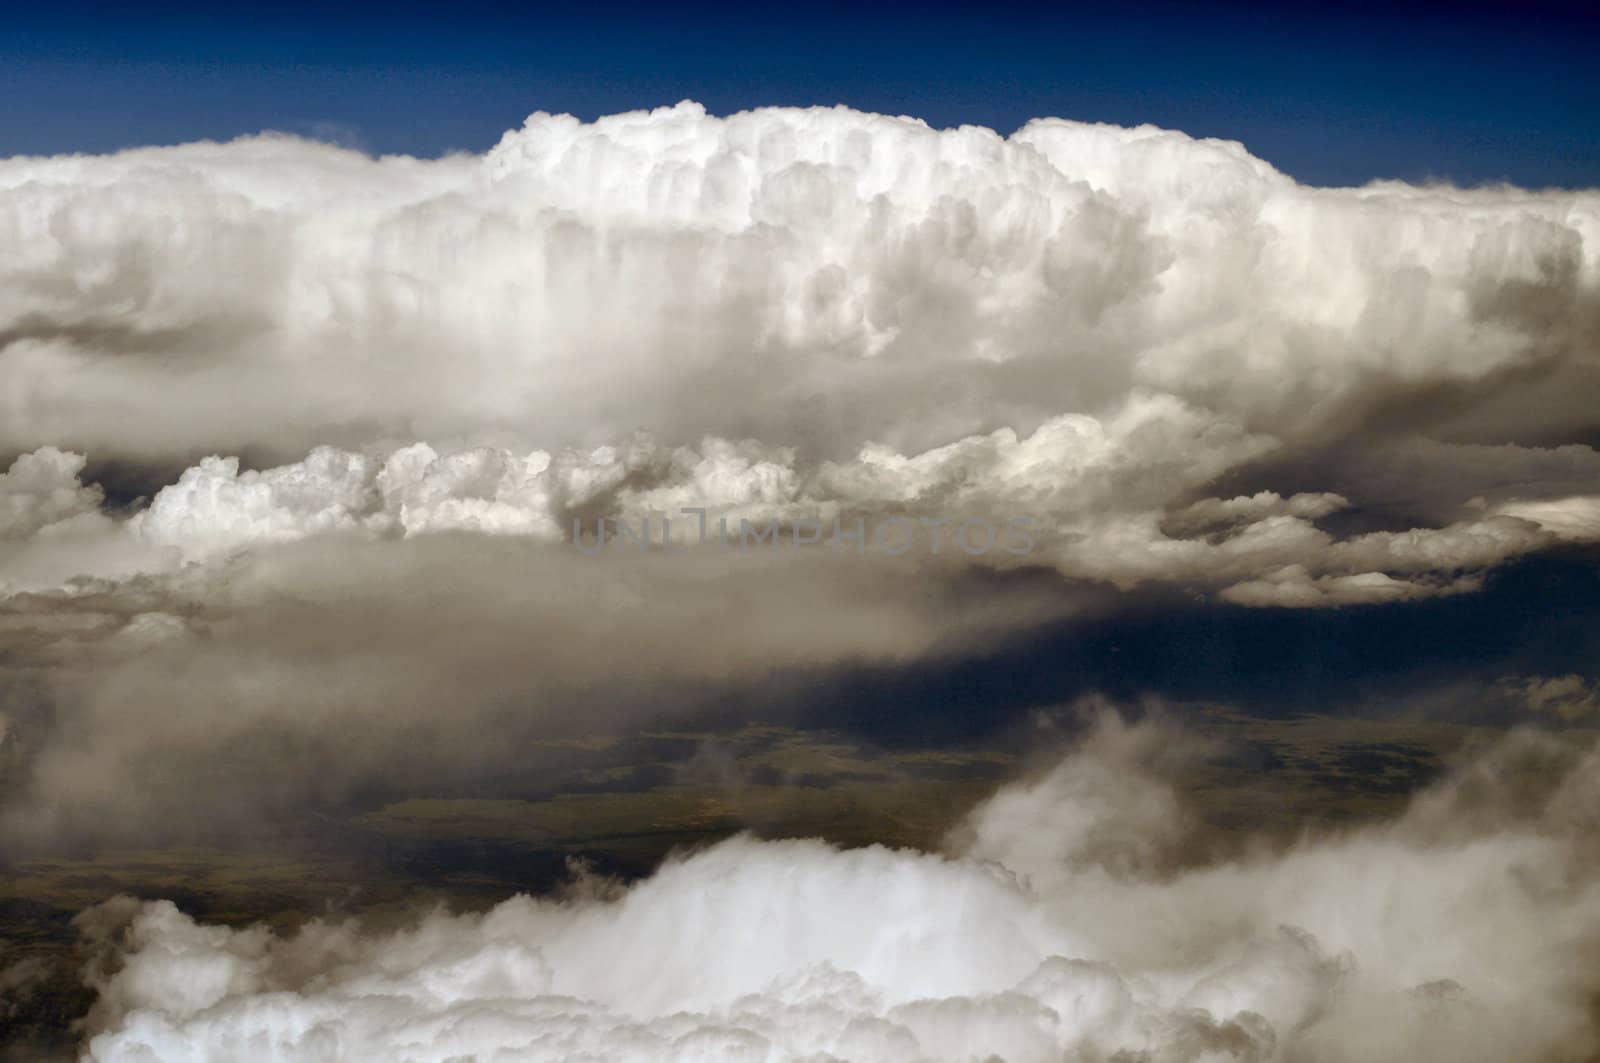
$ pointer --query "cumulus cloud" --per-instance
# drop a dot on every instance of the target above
(820, 278)
(1091, 498)
(41, 492)
(1063, 921)
(806, 310)
(302, 439)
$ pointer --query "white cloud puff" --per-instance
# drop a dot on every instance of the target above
(42, 491)
(1057, 927)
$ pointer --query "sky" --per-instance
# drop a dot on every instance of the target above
(1333, 94)
(1145, 602)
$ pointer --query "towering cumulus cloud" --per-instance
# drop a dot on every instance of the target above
(809, 310)
(1064, 923)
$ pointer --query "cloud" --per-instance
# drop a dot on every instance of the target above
(805, 307)
(799, 310)
(1567, 697)
(41, 492)
(304, 675)
(301, 438)
(1576, 519)
(1064, 920)
(1435, 480)
(820, 252)
(392, 389)
(1092, 498)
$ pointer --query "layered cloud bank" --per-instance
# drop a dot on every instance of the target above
(1070, 918)
(240, 380)
(301, 451)
(1093, 500)
(806, 312)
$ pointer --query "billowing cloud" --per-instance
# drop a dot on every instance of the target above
(809, 312)
(397, 388)
(1089, 498)
(41, 492)
(819, 278)
(303, 448)
(1066, 920)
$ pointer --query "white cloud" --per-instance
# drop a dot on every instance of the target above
(819, 278)
(1126, 336)
(1063, 923)
(1096, 495)
(41, 491)
(805, 309)
(1576, 519)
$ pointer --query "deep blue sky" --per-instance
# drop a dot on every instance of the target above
(1464, 91)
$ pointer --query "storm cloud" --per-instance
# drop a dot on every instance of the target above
(793, 312)
(300, 450)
